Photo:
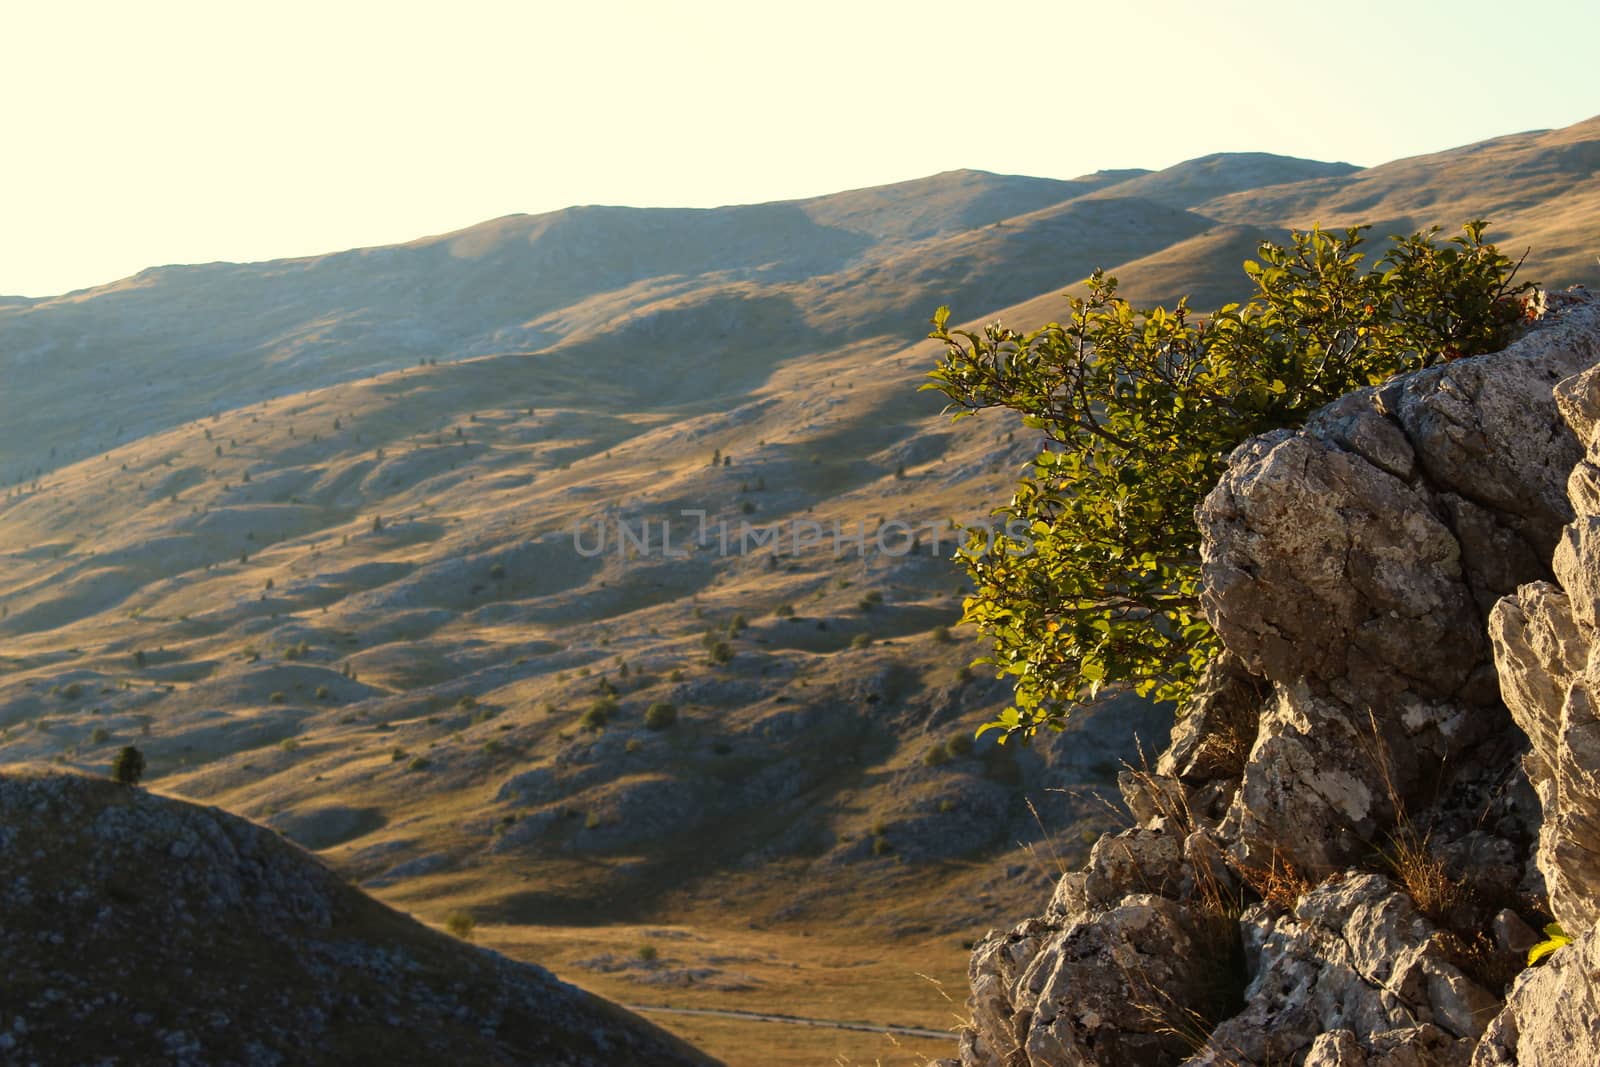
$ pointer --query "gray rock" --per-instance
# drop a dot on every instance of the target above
(1544, 640)
(1355, 572)
(1112, 990)
(1552, 1015)
(1352, 564)
(1355, 955)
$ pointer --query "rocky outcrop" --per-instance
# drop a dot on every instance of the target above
(1352, 564)
(1355, 956)
(1342, 795)
(138, 929)
(1545, 640)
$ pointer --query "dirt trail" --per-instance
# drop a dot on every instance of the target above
(793, 1020)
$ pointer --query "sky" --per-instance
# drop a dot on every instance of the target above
(153, 133)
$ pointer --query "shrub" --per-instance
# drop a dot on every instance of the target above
(648, 953)
(861, 641)
(784, 611)
(881, 846)
(936, 756)
(99, 735)
(721, 652)
(1094, 573)
(941, 635)
(959, 744)
(418, 763)
(128, 766)
(323, 692)
(598, 715)
(660, 715)
(277, 698)
(460, 924)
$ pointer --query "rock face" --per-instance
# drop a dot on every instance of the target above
(1354, 956)
(1406, 596)
(137, 929)
(1545, 639)
(1352, 565)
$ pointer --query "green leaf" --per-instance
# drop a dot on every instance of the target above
(1555, 938)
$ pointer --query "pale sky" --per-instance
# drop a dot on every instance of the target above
(139, 134)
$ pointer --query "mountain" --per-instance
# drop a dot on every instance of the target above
(1196, 181)
(318, 536)
(1540, 189)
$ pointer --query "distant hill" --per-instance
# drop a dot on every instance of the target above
(943, 203)
(1196, 181)
(1540, 189)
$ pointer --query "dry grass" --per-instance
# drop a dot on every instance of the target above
(750, 1044)
(1280, 884)
(837, 975)
(1425, 877)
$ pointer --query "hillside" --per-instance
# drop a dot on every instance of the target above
(1196, 181)
(312, 534)
(1540, 189)
(197, 938)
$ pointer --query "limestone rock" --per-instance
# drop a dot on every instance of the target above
(1353, 564)
(1355, 955)
(1545, 641)
(1107, 990)
(1319, 565)
(1368, 575)
(1552, 1015)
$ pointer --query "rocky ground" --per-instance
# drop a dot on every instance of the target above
(1390, 779)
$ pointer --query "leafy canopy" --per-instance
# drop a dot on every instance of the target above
(1092, 574)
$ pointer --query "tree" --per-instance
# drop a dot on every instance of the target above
(128, 766)
(1093, 574)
